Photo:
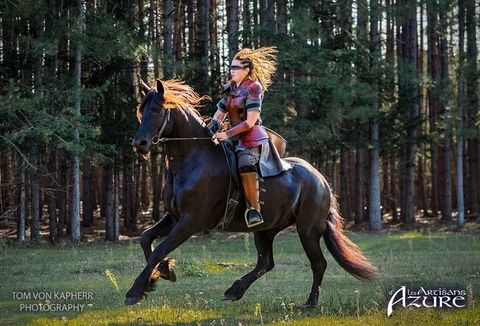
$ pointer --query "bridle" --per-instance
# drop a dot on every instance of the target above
(156, 139)
(162, 128)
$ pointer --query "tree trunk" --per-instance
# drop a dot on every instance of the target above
(360, 185)
(4, 180)
(361, 152)
(88, 193)
(447, 176)
(232, 28)
(128, 207)
(471, 79)
(22, 201)
(178, 33)
(116, 200)
(75, 219)
(393, 187)
(62, 197)
(374, 198)
(109, 201)
(433, 101)
(215, 58)
(167, 39)
(267, 22)
(51, 194)
(203, 36)
(35, 197)
(460, 106)
(191, 24)
(344, 197)
(409, 55)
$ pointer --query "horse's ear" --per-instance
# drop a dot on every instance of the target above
(159, 86)
(143, 85)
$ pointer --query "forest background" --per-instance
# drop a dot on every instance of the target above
(381, 96)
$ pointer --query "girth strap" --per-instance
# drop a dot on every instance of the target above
(234, 194)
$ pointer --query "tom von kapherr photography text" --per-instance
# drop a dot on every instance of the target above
(52, 295)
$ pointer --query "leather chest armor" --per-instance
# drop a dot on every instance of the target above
(236, 106)
(236, 99)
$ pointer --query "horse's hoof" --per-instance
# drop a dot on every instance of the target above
(229, 297)
(307, 305)
(129, 301)
(172, 277)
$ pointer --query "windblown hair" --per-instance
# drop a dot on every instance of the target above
(262, 63)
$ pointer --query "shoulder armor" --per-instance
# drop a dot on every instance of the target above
(254, 90)
(225, 89)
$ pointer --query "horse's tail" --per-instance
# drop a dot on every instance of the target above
(346, 253)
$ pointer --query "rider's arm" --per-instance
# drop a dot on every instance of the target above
(219, 115)
(252, 117)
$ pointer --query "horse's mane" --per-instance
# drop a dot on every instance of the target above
(177, 95)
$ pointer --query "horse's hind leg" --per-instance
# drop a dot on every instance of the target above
(264, 245)
(311, 244)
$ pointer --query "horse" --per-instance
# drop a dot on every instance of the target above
(198, 177)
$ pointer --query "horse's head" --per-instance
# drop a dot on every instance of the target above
(154, 119)
(154, 113)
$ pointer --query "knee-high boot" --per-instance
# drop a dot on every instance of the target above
(251, 190)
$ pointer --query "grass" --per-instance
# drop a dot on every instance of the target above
(207, 266)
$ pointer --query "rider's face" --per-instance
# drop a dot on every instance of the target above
(238, 71)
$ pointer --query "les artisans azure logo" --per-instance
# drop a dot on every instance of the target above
(436, 298)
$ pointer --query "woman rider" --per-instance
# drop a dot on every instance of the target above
(242, 96)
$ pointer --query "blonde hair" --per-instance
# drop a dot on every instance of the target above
(262, 63)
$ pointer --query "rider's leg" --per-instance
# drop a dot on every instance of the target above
(247, 165)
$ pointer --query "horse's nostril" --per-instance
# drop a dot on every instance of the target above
(139, 143)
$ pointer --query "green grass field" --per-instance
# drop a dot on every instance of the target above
(48, 276)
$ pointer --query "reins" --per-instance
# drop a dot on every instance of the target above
(187, 138)
(163, 140)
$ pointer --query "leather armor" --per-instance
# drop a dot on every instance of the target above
(236, 106)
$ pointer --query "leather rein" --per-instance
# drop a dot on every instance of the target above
(163, 140)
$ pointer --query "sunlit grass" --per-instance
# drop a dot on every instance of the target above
(132, 316)
(207, 266)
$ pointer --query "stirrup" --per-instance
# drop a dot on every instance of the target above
(253, 223)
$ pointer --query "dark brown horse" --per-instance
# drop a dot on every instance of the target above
(195, 199)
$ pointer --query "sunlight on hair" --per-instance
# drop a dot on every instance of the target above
(179, 93)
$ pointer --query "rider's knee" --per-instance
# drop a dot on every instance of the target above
(247, 168)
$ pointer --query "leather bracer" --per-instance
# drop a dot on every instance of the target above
(238, 129)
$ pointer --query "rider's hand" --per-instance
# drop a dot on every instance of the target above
(214, 126)
(221, 136)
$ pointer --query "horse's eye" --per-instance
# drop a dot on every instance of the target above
(157, 109)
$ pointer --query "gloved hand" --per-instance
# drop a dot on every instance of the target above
(214, 126)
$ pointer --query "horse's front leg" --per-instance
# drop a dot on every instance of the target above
(145, 282)
(161, 229)
(264, 245)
